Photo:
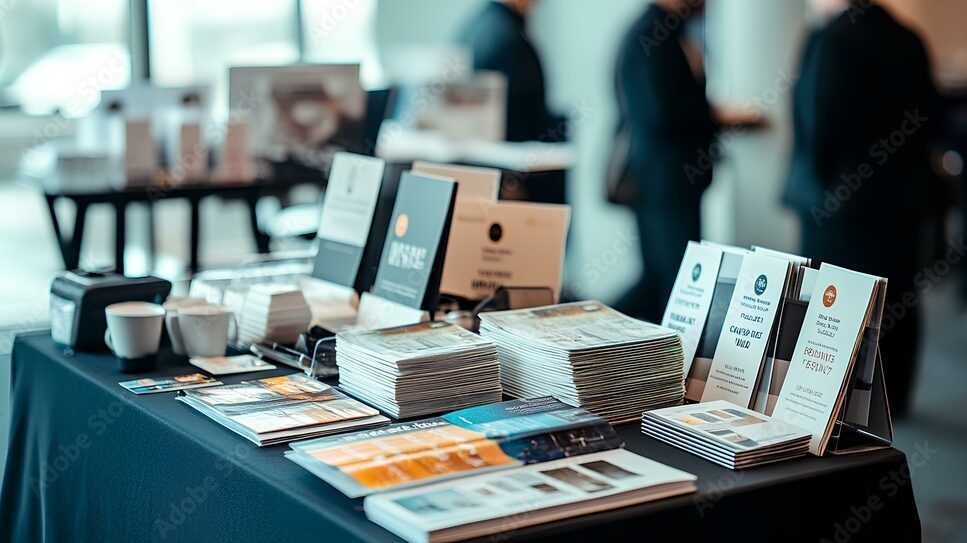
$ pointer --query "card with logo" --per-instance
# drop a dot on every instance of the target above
(741, 350)
(505, 244)
(814, 389)
(347, 215)
(691, 296)
(416, 242)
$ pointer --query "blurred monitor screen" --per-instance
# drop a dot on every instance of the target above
(303, 112)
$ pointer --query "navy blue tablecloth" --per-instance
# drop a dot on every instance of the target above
(89, 461)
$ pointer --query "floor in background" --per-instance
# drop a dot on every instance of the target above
(30, 260)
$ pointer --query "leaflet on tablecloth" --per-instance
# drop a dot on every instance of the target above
(468, 441)
(814, 390)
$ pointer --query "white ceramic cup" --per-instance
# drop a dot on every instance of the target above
(204, 330)
(133, 328)
(172, 305)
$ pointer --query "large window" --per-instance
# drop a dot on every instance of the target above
(341, 31)
(195, 41)
(58, 54)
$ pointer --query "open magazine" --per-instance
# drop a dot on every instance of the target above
(508, 500)
(473, 440)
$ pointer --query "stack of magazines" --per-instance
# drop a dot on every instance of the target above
(273, 313)
(492, 503)
(587, 354)
(281, 409)
(420, 369)
(469, 441)
(726, 434)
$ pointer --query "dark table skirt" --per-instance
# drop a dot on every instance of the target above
(91, 461)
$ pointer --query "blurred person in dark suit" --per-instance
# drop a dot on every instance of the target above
(864, 111)
(667, 122)
(497, 37)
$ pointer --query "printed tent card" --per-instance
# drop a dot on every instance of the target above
(505, 244)
(691, 296)
(412, 261)
(814, 390)
(741, 350)
(347, 215)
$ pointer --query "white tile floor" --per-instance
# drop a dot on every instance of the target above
(29, 259)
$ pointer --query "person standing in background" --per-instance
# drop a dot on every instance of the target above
(668, 123)
(497, 38)
(864, 111)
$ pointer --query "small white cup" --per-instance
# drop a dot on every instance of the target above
(172, 306)
(203, 330)
(133, 329)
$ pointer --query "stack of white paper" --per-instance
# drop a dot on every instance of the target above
(418, 369)
(589, 355)
(726, 434)
(273, 313)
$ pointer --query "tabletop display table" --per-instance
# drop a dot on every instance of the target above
(90, 461)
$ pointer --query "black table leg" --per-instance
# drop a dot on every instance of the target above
(261, 239)
(70, 248)
(120, 235)
(152, 240)
(195, 234)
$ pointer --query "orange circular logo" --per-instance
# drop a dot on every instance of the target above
(829, 297)
(402, 225)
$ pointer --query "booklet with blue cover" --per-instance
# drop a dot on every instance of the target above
(468, 441)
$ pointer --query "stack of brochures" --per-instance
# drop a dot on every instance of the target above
(420, 369)
(281, 409)
(492, 503)
(273, 313)
(469, 441)
(726, 434)
(587, 354)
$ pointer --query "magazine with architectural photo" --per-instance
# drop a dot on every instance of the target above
(492, 503)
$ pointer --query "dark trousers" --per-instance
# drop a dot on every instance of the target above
(888, 250)
(663, 235)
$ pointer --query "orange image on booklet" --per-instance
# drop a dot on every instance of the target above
(407, 468)
(391, 460)
(407, 443)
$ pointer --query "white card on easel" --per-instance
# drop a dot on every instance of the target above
(741, 349)
(691, 296)
(813, 391)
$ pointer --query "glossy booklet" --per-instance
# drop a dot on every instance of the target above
(493, 503)
(280, 409)
(473, 440)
